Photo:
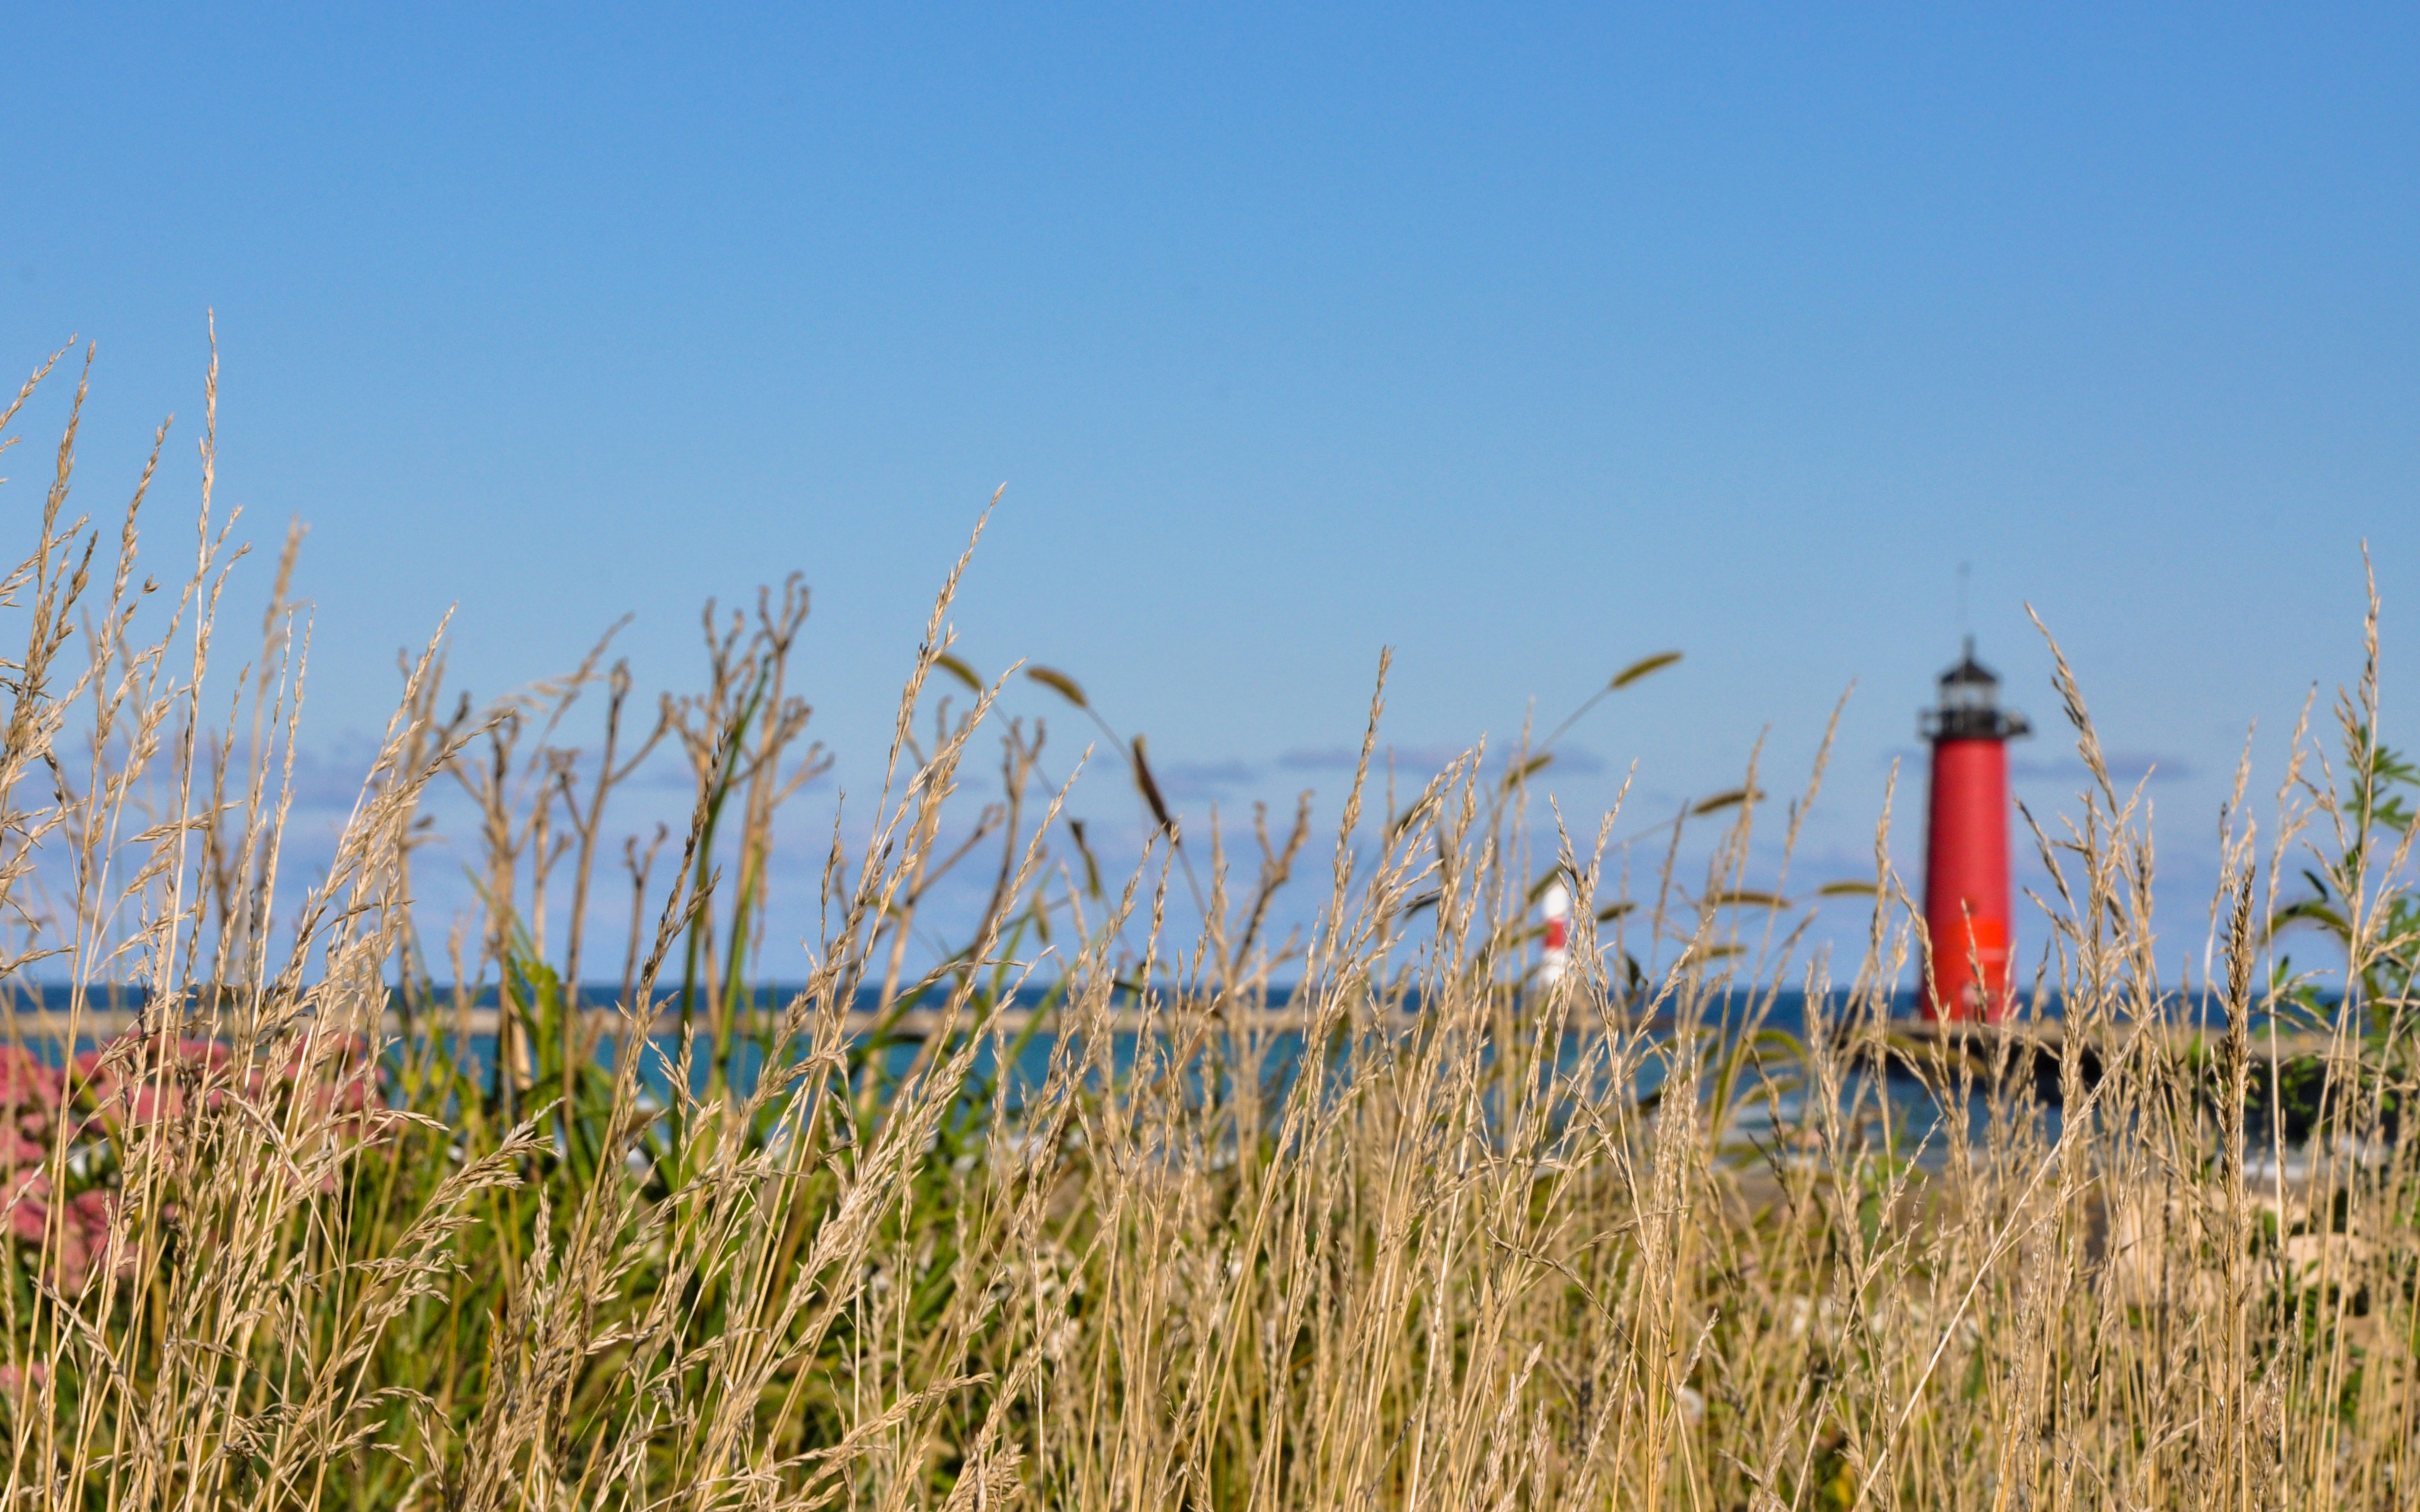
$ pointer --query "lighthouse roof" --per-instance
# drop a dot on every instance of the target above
(1969, 672)
(1970, 705)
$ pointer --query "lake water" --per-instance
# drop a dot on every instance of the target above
(1774, 1106)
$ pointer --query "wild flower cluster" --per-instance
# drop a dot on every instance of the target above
(66, 1235)
(62, 1130)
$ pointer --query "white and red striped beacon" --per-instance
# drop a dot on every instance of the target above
(1556, 905)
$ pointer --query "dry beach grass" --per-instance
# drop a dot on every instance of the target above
(1599, 1242)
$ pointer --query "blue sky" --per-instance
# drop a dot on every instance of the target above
(1525, 341)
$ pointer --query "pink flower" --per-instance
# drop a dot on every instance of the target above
(71, 1236)
(29, 1206)
(84, 1238)
(139, 1079)
(29, 1095)
(28, 1088)
(329, 1087)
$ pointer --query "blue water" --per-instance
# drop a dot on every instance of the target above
(1279, 1061)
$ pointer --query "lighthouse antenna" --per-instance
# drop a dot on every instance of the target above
(1965, 571)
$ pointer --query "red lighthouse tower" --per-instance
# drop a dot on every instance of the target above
(1966, 909)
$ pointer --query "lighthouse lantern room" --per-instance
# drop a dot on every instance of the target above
(1966, 889)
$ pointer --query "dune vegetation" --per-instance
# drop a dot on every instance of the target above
(313, 1201)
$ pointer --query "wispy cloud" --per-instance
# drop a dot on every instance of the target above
(1345, 758)
(1183, 780)
(326, 778)
(1425, 759)
(2125, 767)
